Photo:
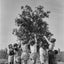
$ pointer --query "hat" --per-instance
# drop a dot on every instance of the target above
(15, 44)
(10, 45)
(53, 40)
(32, 42)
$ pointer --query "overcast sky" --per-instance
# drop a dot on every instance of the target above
(9, 9)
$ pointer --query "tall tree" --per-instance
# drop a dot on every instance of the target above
(32, 25)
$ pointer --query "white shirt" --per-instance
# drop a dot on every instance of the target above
(51, 46)
(10, 57)
(42, 51)
(33, 48)
(43, 55)
(24, 47)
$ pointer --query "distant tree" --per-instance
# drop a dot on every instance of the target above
(31, 24)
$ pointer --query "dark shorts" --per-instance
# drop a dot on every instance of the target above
(50, 57)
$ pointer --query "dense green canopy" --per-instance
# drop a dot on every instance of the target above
(30, 23)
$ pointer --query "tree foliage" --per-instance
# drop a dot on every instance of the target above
(31, 22)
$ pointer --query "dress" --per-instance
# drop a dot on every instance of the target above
(10, 55)
(43, 55)
(17, 57)
(33, 54)
(10, 58)
(25, 52)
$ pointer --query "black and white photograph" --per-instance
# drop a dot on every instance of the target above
(31, 31)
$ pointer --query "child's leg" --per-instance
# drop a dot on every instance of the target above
(34, 61)
(25, 61)
(20, 61)
(41, 59)
(35, 58)
(9, 62)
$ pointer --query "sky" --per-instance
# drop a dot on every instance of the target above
(9, 10)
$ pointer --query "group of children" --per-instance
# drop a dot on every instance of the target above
(23, 51)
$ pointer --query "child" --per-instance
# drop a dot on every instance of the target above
(25, 52)
(51, 43)
(43, 53)
(33, 49)
(10, 54)
(50, 51)
(17, 57)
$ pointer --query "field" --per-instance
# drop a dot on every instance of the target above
(61, 63)
(4, 61)
(61, 57)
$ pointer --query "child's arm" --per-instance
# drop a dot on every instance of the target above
(47, 40)
(35, 39)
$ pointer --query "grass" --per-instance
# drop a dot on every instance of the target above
(4, 61)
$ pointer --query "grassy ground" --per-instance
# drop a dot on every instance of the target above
(4, 61)
(60, 62)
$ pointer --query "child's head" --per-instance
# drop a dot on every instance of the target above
(46, 45)
(24, 41)
(32, 42)
(15, 45)
(53, 40)
(10, 46)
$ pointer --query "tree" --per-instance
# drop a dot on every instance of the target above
(32, 25)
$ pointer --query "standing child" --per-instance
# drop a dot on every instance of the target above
(50, 51)
(17, 57)
(25, 52)
(10, 54)
(19, 51)
(33, 49)
(43, 53)
(51, 43)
